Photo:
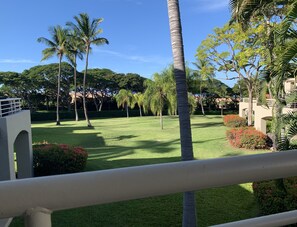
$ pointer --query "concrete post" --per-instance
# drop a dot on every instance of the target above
(38, 217)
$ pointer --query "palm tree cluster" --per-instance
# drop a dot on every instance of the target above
(160, 93)
(74, 42)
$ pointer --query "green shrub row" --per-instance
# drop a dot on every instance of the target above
(53, 159)
(247, 137)
(234, 121)
(276, 196)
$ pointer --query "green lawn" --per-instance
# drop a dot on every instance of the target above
(121, 142)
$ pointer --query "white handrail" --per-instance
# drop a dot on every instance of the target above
(9, 106)
(107, 186)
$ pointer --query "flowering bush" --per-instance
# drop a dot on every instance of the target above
(276, 196)
(52, 159)
(247, 137)
(234, 121)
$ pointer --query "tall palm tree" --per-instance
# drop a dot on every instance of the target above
(157, 94)
(138, 97)
(75, 51)
(88, 32)
(189, 210)
(125, 99)
(204, 73)
(56, 46)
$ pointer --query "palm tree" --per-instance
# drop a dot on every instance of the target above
(204, 73)
(56, 46)
(189, 210)
(156, 95)
(75, 50)
(88, 32)
(139, 98)
(125, 99)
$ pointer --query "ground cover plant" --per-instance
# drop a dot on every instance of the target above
(121, 142)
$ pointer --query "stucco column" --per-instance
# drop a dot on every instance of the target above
(38, 217)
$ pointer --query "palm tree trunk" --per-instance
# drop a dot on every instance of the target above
(84, 90)
(75, 91)
(161, 120)
(201, 102)
(127, 110)
(58, 92)
(140, 112)
(189, 210)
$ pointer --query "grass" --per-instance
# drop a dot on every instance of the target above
(121, 142)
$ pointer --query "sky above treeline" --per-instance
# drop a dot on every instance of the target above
(137, 30)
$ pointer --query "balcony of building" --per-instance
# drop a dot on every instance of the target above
(36, 198)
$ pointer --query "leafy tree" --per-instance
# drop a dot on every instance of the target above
(232, 50)
(192, 103)
(101, 86)
(56, 46)
(204, 74)
(87, 31)
(281, 52)
(189, 211)
(125, 99)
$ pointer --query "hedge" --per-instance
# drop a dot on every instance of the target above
(276, 196)
(234, 121)
(247, 137)
(52, 159)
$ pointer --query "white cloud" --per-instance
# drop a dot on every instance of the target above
(210, 5)
(17, 61)
(142, 59)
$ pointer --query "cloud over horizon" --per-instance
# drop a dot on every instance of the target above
(16, 61)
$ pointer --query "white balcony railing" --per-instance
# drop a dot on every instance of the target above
(9, 106)
(36, 198)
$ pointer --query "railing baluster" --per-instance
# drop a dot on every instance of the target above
(9, 106)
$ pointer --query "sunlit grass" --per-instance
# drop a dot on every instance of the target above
(122, 142)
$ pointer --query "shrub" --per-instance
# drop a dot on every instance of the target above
(234, 121)
(273, 198)
(52, 159)
(247, 137)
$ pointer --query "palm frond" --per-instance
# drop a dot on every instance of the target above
(46, 41)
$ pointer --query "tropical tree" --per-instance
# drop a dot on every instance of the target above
(192, 103)
(282, 43)
(234, 51)
(155, 97)
(56, 46)
(125, 99)
(75, 51)
(88, 32)
(139, 99)
(204, 74)
(189, 211)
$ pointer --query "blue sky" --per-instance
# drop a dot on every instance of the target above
(138, 31)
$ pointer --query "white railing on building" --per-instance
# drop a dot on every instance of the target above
(9, 106)
(36, 198)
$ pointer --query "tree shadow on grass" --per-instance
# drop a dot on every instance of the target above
(206, 124)
(62, 135)
(209, 140)
(225, 204)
